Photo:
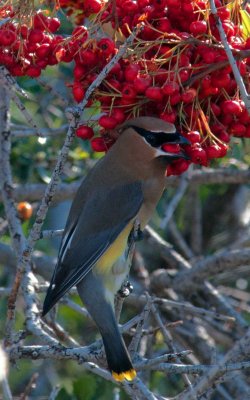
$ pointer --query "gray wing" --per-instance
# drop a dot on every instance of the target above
(102, 218)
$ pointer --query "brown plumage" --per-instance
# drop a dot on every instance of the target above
(122, 190)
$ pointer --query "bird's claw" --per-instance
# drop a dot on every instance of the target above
(126, 289)
(137, 232)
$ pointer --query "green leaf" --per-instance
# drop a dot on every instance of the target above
(245, 23)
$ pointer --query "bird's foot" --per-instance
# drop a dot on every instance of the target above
(137, 232)
(126, 289)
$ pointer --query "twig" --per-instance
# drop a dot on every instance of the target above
(44, 132)
(179, 240)
(25, 113)
(210, 266)
(245, 96)
(50, 234)
(175, 200)
(53, 91)
(11, 82)
(34, 192)
(7, 395)
(54, 393)
(223, 304)
(134, 344)
(240, 349)
(197, 369)
(29, 387)
(196, 222)
(169, 342)
(6, 186)
(144, 364)
(185, 307)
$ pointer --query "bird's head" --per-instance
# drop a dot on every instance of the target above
(155, 134)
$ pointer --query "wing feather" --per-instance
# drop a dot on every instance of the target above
(103, 217)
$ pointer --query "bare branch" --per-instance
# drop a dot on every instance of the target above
(245, 96)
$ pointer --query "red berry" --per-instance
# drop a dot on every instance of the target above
(131, 72)
(43, 50)
(98, 144)
(78, 92)
(92, 6)
(35, 36)
(79, 72)
(175, 98)
(118, 114)
(141, 83)
(130, 7)
(177, 167)
(209, 56)
(40, 21)
(169, 116)
(24, 31)
(221, 80)
(170, 88)
(228, 27)
(33, 71)
(163, 24)
(17, 70)
(7, 37)
(244, 117)
(223, 149)
(7, 59)
(213, 151)
(84, 132)
(106, 46)
(114, 84)
(231, 107)
(184, 61)
(193, 136)
(154, 93)
(247, 133)
(237, 129)
(53, 24)
(216, 109)
(80, 34)
(108, 122)
(198, 27)
(171, 148)
(87, 57)
(224, 136)
(197, 154)
(189, 95)
(128, 91)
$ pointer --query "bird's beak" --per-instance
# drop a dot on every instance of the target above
(182, 140)
(176, 151)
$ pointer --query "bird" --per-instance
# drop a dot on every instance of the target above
(108, 214)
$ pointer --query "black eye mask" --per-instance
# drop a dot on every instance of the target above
(157, 139)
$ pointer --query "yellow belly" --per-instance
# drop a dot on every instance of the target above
(111, 255)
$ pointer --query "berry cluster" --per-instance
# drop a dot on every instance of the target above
(178, 71)
(177, 68)
(26, 51)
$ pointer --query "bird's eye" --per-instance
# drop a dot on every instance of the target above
(151, 139)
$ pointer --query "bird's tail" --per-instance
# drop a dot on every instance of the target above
(118, 358)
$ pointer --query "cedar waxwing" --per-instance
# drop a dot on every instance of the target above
(114, 202)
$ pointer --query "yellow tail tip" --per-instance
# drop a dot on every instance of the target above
(128, 375)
